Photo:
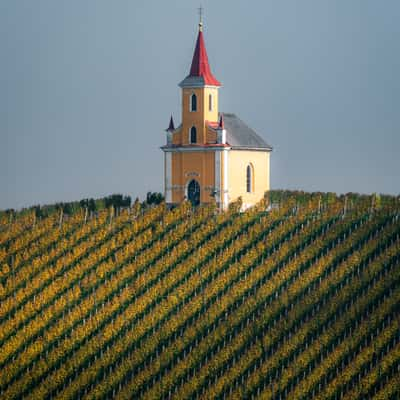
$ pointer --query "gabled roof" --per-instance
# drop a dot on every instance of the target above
(200, 71)
(239, 135)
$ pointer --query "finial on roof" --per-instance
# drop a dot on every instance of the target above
(171, 126)
(201, 19)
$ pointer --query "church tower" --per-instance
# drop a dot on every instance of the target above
(212, 156)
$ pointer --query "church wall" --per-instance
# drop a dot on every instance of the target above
(177, 137)
(198, 118)
(238, 162)
(211, 115)
(192, 118)
(211, 136)
(188, 165)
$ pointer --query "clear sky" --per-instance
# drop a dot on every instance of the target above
(87, 89)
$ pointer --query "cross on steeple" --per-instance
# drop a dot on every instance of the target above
(200, 18)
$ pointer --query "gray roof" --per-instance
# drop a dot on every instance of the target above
(193, 81)
(239, 135)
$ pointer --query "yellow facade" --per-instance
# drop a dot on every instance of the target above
(238, 162)
(201, 165)
(198, 165)
(195, 163)
(199, 117)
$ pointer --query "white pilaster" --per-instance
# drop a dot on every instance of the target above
(217, 180)
(221, 136)
(226, 182)
(168, 176)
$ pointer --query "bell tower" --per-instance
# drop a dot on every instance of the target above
(199, 96)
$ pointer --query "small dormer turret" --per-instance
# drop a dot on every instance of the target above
(169, 131)
(221, 131)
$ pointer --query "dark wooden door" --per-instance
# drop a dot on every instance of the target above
(194, 192)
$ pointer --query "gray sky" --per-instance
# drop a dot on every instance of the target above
(87, 88)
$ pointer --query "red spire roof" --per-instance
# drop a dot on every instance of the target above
(200, 66)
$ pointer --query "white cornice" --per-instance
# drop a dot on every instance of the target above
(195, 82)
(193, 149)
(242, 148)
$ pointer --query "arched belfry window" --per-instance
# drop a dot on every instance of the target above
(193, 102)
(210, 102)
(193, 134)
(249, 179)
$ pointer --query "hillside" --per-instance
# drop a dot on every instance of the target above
(301, 301)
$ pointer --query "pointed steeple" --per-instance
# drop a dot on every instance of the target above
(171, 126)
(200, 67)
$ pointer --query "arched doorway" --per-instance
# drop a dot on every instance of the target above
(194, 192)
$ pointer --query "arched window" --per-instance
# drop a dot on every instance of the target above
(249, 179)
(193, 134)
(193, 102)
(193, 192)
(210, 104)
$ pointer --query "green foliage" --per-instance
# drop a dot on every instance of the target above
(70, 208)
(298, 300)
(153, 198)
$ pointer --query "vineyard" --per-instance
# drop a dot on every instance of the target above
(299, 300)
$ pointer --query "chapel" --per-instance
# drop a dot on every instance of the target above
(212, 156)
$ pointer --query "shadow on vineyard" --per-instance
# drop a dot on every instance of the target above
(295, 298)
